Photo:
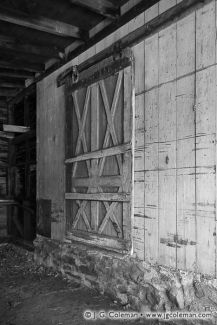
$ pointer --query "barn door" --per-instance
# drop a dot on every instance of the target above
(99, 157)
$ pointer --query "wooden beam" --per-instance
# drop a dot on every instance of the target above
(101, 153)
(41, 24)
(8, 92)
(11, 44)
(109, 181)
(114, 197)
(19, 74)
(29, 66)
(138, 35)
(7, 202)
(15, 128)
(11, 84)
(133, 38)
(104, 7)
(102, 241)
(6, 135)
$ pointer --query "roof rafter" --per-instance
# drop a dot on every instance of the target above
(11, 44)
(40, 23)
(12, 73)
(104, 7)
(12, 84)
(29, 66)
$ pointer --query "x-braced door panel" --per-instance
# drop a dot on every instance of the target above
(99, 159)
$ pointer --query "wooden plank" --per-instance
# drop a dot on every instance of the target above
(101, 153)
(151, 216)
(139, 184)
(167, 49)
(97, 181)
(167, 216)
(95, 124)
(151, 61)
(128, 124)
(205, 161)
(117, 197)
(18, 74)
(15, 128)
(167, 134)
(186, 219)
(101, 241)
(7, 202)
(12, 84)
(186, 224)
(42, 24)
(167, 113)
(186, 45)
(29, 66)
(205, 37)
(139, 58)
(151, 175)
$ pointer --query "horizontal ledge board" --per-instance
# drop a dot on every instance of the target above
(101, 153)
(7, 202)
(97, 181)
(102, 241)
(118, 197)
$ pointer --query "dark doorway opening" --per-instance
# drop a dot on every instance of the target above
(22, 171)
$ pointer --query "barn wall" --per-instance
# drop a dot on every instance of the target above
(175, 135)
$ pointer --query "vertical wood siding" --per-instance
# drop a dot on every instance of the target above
(178, 107)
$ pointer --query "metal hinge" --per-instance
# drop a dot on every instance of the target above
(75, 74)
(117, 51)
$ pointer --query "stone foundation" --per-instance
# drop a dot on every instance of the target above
(132, 283)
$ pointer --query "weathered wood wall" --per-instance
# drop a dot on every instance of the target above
(175, 140)
(179, 142)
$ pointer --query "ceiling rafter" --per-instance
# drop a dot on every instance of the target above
(18, 74)
(11, 84)
(29, 66)
(12, 44)
(42, 24)
(102, 7)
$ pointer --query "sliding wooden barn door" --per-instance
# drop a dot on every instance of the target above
(99, 158)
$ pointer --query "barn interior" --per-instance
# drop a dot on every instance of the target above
(108, 145)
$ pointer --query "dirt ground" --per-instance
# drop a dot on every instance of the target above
(33, 295)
